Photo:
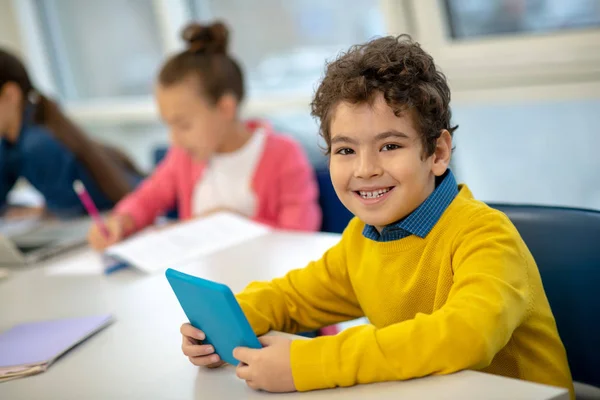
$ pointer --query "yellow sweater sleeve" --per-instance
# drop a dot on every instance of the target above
(488, 300)
(305, 299)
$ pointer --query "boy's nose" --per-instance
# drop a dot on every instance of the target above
(367, 166)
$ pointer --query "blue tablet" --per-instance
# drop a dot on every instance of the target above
(212, 308)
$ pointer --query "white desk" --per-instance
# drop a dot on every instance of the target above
(139, 356)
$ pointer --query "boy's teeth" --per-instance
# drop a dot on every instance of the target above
(373, 194)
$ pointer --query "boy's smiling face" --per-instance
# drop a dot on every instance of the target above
(378, 165)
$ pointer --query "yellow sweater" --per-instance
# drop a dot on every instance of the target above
(467, 296)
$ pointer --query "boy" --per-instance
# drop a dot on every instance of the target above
(446, 282)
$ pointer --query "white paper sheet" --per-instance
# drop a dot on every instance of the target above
(157, 250)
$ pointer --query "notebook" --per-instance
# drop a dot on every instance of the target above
(158, 250)
(30, 348)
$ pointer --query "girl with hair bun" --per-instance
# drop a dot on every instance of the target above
(217, 162)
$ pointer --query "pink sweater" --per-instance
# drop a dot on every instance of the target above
(284, 184)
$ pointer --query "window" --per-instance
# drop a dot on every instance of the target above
(89, 42)
(100, 58)
(477, 18)
(484, 44)
(284, 44)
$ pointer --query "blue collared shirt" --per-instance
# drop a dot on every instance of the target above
(421, 221)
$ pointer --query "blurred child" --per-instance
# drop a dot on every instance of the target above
(217, 162)
(42, 145)
(446, 281)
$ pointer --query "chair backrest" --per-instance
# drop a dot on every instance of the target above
(158, 155)
(565, 244)
(335, 215)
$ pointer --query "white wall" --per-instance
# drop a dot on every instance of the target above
(546, 152)
(9, 32)
(137, 141)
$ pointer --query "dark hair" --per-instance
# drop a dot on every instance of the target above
(206, 58)
(46, 112)
(398, 68)
(100, 160)
(13, 70)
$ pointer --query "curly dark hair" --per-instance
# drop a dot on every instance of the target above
(398, 68)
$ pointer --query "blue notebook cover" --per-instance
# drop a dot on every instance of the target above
(212, 308)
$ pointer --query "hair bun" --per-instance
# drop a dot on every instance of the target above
(206, 38)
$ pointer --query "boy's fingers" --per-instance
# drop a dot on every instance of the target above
(252, 385)
(198, 350)
(244, 354)
(205, 361)
(190, 341)
(243, 372)
(216, 365)
(267, 340)
(188, 330)
(185, 329)
(199, 361)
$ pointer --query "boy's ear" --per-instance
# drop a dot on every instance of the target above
(442, 153)
(228, 105)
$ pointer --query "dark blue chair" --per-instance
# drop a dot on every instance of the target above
(160, 153)
(335, 215)
(565, 243)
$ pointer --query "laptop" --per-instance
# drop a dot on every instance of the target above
(28, 241)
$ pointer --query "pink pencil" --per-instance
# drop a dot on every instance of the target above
(89, 206)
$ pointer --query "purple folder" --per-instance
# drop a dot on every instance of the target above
(40, 343)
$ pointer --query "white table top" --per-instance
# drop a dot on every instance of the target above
(139, 356)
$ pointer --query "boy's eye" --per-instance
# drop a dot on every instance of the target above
(389, 147)
(344, 151)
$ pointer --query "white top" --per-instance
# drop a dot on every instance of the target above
(227, 180)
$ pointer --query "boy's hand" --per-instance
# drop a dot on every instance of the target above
(199, 354)
(269, 368)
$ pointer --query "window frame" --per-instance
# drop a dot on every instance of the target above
(530, 70)
(526, 59)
